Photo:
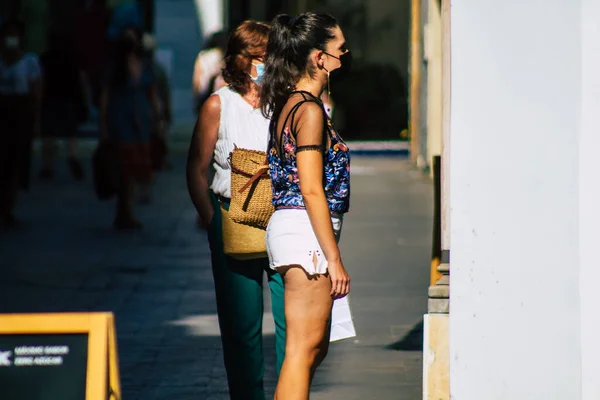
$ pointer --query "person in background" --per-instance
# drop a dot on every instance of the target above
(37, 17)
(125, 14)
(160, 136)
(89, 37)
(20, 99)
(64, 103)
(207, 76)
(129, 107)
(232, 115)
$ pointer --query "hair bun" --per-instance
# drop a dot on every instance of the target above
(285, 21)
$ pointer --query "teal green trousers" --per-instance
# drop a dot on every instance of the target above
(239, 291)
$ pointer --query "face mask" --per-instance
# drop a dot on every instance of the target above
(260, 70)
(11, 42)
(340, 73)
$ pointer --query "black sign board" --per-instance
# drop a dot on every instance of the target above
(43, 367)
(58, 357)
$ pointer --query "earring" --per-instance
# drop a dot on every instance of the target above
(328, 87)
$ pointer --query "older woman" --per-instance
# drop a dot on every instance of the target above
(233, 115)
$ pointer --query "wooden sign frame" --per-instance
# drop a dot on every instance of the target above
(102, 375)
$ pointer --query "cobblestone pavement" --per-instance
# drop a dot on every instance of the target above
(66, 257)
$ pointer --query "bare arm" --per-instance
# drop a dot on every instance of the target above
(157, 109)
(310, 173)
(200, 155)
(197, 77)
(155, 102)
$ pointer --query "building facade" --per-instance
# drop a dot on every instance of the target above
(522, 201)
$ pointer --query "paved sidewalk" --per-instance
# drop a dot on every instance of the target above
(158, 282)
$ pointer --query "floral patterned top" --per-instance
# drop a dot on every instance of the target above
(284, 171)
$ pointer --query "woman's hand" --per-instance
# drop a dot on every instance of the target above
(340, 280)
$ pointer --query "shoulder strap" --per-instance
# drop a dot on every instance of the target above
(292, 113)
(319, 102)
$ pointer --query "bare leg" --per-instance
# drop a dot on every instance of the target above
(145, 190)
(74, 163)
(124, 218)
(307, 313)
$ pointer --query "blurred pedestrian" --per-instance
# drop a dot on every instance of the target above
(20, 99)
(64, 102)
(232, 116)
(90, 39)
(130, 107)
(159, 137)
(125, 14)
(207, 76)
(310, 171)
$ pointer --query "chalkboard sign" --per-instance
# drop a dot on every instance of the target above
(58, 356)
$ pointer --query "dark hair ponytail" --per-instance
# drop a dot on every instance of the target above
(291, 40)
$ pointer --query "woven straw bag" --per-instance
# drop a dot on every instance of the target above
(251, 193)
(242, 242)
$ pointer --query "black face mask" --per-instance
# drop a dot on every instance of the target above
(342, 72)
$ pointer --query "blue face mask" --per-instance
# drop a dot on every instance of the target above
(260, 70)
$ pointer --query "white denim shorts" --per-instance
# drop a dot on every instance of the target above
(292, 241)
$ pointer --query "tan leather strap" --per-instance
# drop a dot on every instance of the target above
(261, 171)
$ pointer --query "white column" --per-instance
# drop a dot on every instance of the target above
(589, 200)
(211, 15)
(515, 123)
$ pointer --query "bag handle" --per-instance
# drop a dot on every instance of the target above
(263, 170)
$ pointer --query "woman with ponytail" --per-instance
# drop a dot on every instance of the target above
(232, 116)
(310, 170)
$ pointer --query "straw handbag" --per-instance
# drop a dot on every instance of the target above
(251, 193)
(244, 225)
(240, 241)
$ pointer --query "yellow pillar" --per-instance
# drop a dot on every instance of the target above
(415, 78)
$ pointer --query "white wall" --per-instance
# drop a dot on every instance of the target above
(589, 199)
(516, 102)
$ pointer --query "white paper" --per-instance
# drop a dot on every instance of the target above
(342, 326)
